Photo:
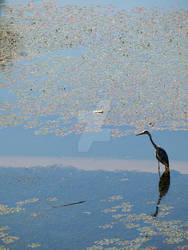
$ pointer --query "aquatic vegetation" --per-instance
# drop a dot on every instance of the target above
(115, 198)
(108, 220)
(106, 226)
(9, 43)
(123, 207)
(164, 207)
(4, 228)
(34, 245)
(146, 231)
(126, 207)
(182, 247)
(20, 203)
(3, 234)
(146, 227)
(118, 244)
(75, 75)
(111, 210)
(34, 214)
(131, 225)
(105, 242)
(4, 209)
(3, 248)
(136, 217)
(171, 230)
(51, 199)
(10, 239)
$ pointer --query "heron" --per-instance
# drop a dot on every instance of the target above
(161, 154)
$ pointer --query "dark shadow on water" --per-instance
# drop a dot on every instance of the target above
(164, 184)
(68, 204)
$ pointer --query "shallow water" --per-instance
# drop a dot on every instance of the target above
(41, 207)
(76, 83)
(60, 66)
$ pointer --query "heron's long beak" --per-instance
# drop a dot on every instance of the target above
(140, 133)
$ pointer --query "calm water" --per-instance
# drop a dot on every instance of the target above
(77, 81)
(67, 208)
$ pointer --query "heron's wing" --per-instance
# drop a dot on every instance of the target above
(162, 156)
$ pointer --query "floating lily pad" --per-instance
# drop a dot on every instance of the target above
(34, 245)
(10, 239)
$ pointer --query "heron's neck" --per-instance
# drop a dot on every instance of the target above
(155, 146)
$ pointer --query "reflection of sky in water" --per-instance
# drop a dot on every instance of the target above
(16, 141)
(118, 208)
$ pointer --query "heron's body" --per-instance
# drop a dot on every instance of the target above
(161, 154)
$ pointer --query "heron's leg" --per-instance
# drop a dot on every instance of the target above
(159, 168)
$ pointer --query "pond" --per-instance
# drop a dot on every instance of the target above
(78, 80)
(73, 208)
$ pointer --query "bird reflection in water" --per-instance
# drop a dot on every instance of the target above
(164, 184)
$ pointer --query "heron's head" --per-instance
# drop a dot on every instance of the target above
(145, 132)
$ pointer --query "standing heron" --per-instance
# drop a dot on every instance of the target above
(161, 155)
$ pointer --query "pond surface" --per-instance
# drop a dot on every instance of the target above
(78, 80)
(68, 208)
(82, 69)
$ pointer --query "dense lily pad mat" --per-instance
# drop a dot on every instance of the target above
(66, 208)
(60, 64)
